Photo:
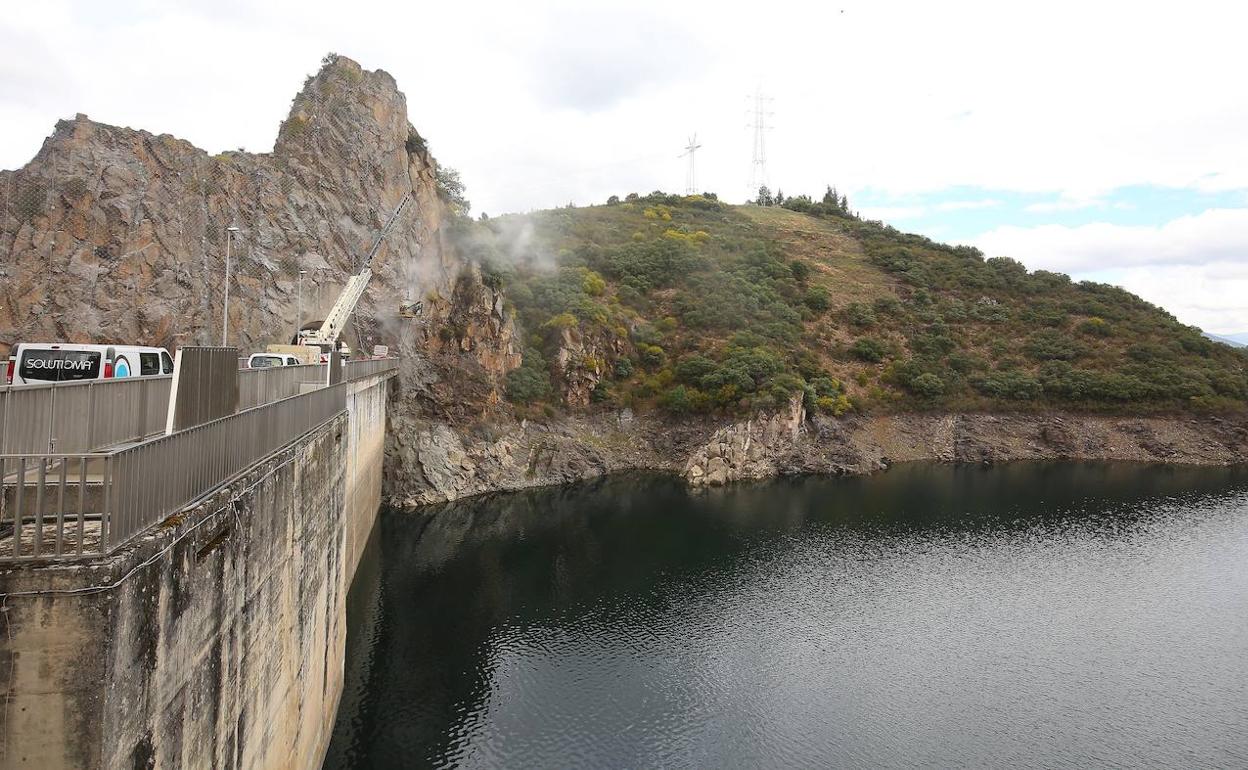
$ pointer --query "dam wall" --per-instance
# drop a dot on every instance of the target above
(216, 640)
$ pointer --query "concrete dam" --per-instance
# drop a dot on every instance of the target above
(178, 599)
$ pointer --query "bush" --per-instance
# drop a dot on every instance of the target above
(1052, 345)
(693, 368)
(868, 349)
(886, 306)
(860, 315)
(833, 405)
(561, 321)
(593, 284)
(651, 356)
(1096, 327)
(1013, 385)
(531, 381)
(681, 399)
(927, 385)
(817, 299)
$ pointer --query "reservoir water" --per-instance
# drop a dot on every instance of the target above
(1036, 615)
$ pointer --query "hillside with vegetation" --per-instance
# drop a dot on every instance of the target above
(690, 305)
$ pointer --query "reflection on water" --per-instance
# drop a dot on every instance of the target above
(1026, 614)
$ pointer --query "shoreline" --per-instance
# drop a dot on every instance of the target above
(430, 462)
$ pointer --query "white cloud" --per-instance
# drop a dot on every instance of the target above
(1213, 297)
(960, 93)
(1196, 267)
(1216, 235)
(986, 203)
(1063, 204)
(892, 213)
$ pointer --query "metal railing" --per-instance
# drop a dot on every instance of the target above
(265, 385)
(152, 480)
(81, 416)
(355, 369)
(74, 503)
(50, 504)
(71, 504)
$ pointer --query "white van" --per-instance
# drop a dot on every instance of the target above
(265, 360)
(33, 363)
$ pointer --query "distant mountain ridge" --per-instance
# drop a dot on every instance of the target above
(1234, 340)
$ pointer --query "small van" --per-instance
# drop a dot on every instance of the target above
(265, 360)
(32, 363)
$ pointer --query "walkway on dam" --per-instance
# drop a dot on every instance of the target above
(84, 467)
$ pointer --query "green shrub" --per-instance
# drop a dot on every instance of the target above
(868, 349)
(860, 315)
(1013, 385)
(1096, 327)
(886, 306)
(1052, 345)
(927, 385)
(682, 400)
(817, 299)
(652, 356)
(531, 381)
(833, 405)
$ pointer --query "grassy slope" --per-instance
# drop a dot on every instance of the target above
(692, 305)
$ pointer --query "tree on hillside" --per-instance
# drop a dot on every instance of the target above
(451, 188)
(764, 197)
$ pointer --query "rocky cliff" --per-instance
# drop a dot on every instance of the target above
(116, 234)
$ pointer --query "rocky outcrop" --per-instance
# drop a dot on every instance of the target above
(581, 361)
(455, 463)
(752, 449)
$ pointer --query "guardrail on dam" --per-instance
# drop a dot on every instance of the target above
(204, 623)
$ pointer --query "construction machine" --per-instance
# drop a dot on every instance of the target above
(328, 335)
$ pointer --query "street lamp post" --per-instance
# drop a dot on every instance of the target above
(225, 314)
(299, 318)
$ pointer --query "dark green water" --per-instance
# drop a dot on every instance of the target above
(1041, 615)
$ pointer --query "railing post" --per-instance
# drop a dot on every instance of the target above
(18, 504)
(140, 417)
(93, 393)
(82, 502)
(60, 507)
(110, 499)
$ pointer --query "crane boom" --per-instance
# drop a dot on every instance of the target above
(341, 312)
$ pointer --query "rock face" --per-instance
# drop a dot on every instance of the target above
(114, 234)
(446, 464)
(753, 449)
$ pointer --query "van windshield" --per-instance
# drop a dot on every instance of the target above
(59, 365)
(260, 362)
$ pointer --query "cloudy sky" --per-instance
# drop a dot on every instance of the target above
(1108, 140)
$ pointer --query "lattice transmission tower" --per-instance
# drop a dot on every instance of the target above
(758, 166)
(691, 178)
